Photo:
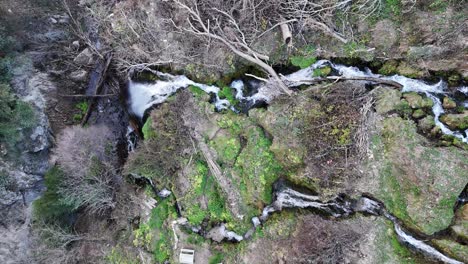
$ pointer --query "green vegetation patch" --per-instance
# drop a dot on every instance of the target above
(83, 108)
(257, 166)
(227, 147)
(196, 91)
(147, 130)
(155, 235)
(119, 256)
(304, 58)
(228, 93)
(51, 206)
(204, 200)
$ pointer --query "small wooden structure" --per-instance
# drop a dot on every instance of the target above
(187, 256)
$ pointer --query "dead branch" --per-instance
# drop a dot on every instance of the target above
(231, 193)
(324, 28)
(371, 79)
(212, 29)
(86, 96)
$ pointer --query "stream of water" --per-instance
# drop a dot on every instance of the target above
(143, 96)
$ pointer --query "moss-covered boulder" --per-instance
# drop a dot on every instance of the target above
(448, 103)
(456, 121)
(414, 99)
(460, 226)
(409, 71)
(418, 113)
(284, 126)
(387, 100)
(426, 124)
(417, 182)
(453, 249)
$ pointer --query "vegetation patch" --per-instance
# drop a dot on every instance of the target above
(83, 109)
(304, 58)
(16, 118)
(50, 207)
(228, 93)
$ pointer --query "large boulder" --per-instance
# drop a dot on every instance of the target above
(456, 121)
(448, 103)
(387, 100)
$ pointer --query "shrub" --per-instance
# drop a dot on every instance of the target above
(50, 207)
(15, 115)
(89, 177)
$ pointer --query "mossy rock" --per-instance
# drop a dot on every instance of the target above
(456, 121)
(227, 147)
(389, 68)
(448, 103)
(453, 249)
(403, 108)
(427, 123)
(409, 71)
(418, 113)
(414, 99)
(460, 226)
(387, 100)
(322, 72)
(418, 183)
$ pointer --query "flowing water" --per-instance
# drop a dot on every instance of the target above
(143, 96)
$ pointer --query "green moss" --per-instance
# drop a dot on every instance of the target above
(304, 58)
(227, 147)
(452, 248)
(355, 50)
(322, 72)
(302, 62)
(257, 166)
(389, 68)
(196, 91)
(195, 215)
(403, 108)
(422, 196)
(50, 207)
(218, 257)
(155, 236)
(418, 113)
(229, 94)
(439, 6)
(393, 7)
(409, 71)
(119, 256)
(148, 131)
(232, 122)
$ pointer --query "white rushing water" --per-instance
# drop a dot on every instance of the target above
(432, 91)
(422, 247)
(143, 96)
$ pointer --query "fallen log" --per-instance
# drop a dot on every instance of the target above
(86, 96)
(370, 79)
(95, 85)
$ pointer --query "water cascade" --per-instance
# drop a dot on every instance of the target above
(287, 197)
(143, 96)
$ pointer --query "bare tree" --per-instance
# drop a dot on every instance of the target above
(222, 26)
